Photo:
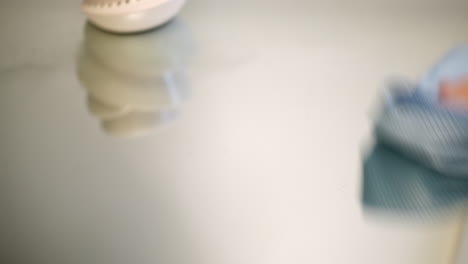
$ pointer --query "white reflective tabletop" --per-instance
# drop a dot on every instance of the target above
(233, 134)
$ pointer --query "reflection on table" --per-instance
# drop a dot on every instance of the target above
(135, 82)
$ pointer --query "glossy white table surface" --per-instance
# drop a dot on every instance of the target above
(256, 156)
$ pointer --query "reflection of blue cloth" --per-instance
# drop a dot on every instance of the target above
(420, 162)
(396, 183)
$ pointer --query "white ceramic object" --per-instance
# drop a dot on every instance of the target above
(128, 16)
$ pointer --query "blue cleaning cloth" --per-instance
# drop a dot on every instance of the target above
(430, 134)
(420, 162)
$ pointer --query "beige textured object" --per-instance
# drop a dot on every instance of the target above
(128, 16)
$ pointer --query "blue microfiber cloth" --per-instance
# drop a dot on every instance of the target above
(419, 165)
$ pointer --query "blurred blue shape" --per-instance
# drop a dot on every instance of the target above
(432, 135)
(420, 162)
(453, 66)
(400, 185)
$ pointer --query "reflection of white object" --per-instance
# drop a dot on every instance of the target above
(105, 111)
(126, 16)
(136, 123)
(164, 49)
(135, 82)
(164, 90)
